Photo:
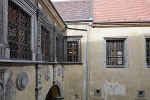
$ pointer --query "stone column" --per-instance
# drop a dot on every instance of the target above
(4, 29)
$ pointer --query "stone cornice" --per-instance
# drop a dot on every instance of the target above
(51, 11)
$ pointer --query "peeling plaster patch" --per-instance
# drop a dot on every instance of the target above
(114, 89)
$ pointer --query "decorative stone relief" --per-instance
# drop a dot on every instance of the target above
(39, 82)
(58, 71)
(47, 74)
(54, 72)
(22, 80)
(7, 88)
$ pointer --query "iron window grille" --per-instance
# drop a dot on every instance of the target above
(45, 44)
(59, 47)
(73, 50)
(19, 33)
(148, 51)
(114, 52)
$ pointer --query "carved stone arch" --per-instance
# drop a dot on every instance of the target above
(54, 91)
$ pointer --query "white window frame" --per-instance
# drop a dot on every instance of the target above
(125, 38)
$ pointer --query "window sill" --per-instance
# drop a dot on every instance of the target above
(147, 66)
(72, 63)
(115, 66)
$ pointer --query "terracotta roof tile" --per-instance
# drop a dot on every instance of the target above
(120, 10)
(74, 10)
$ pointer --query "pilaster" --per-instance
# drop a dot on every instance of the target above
(39, 82)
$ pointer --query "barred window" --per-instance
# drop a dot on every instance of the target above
(73, 51)
(19, 33)
(148, 51)
(115, 52)
(45, 44)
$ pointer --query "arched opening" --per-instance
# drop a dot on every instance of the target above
(54, 93)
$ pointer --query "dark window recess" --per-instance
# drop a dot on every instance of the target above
(115, 52)
(45, 44)
(19, 33)
(72, 51)
(148, 51)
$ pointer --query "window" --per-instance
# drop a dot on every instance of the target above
(19, 33)
(73, 50)
(45, 44)
(116, 53)
(148, 51)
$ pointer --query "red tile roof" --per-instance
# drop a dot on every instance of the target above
(120, 10)
(74, 10)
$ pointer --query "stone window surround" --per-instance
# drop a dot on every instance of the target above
(73, 38)
(147, 66)
(30, 9)
(125, 51)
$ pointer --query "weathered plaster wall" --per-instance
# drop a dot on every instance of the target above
(73, 84)
(75, 74)
(114, 83)
(29, 92)
(119, 83)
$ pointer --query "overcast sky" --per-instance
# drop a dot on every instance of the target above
(58, 0)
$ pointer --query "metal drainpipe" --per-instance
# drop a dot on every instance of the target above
(87, 65)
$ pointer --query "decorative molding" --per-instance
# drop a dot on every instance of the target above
(22, 80)
(47, 74)
(27, 5)
(39, 82)
(54, 72)
(58, 71)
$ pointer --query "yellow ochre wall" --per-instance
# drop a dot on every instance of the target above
(114, 83)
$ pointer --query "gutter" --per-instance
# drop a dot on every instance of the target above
(87, 59)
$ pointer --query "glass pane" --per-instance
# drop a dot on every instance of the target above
(119, 61)
(110, 61)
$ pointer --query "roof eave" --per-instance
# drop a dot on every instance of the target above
(52, 12)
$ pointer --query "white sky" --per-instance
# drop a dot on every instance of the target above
(58, 0)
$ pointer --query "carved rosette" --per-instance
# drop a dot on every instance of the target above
(22, 81)
(47, 74)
